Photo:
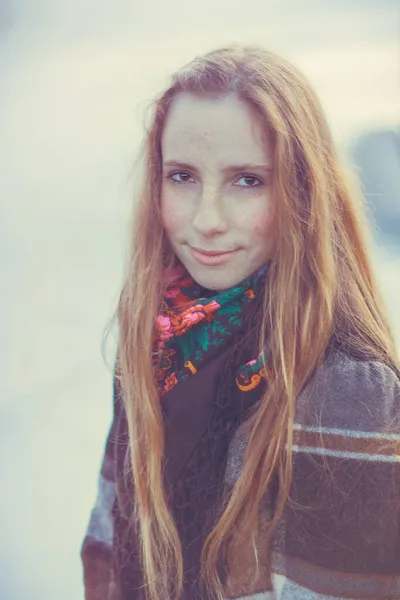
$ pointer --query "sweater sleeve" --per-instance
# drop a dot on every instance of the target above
(340, 536)
(97, 547)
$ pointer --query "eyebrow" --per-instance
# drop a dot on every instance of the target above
(227, 169)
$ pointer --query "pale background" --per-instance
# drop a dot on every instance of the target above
(74, 79)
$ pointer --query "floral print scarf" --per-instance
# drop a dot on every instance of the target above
(195, 324)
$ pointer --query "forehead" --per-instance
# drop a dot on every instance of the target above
(208, 127)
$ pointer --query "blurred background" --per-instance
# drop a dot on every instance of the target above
(75, 78)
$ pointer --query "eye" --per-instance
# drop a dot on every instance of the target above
(172, 176)
(250, 178)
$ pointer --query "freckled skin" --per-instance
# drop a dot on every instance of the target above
(206, 207)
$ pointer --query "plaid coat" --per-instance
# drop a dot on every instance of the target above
(339, 537)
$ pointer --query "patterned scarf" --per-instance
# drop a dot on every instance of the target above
(195, 323)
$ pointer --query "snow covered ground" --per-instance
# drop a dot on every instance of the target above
(74, 79)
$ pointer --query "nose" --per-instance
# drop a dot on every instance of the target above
(210, 217)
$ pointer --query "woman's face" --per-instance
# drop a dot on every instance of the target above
(216, 188)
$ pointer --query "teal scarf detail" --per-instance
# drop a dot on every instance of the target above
(195, 324)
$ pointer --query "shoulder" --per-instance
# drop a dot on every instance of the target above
(350, 393)
(343, 513)
(349, 406)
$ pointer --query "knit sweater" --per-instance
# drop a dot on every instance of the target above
(339, 536)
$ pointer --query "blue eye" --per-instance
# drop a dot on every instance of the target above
(252, 178)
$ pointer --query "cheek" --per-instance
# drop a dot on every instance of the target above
(260, 222)
(171, 218)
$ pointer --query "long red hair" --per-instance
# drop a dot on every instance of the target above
(320, 286)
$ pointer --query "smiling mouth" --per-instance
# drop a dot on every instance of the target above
(211, 258)
(211, 252)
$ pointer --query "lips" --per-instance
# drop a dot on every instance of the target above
(211, 257)
(211, 252)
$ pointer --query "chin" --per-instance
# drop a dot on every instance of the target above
(217, 279)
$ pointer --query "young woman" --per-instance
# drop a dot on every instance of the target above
(254, 451)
